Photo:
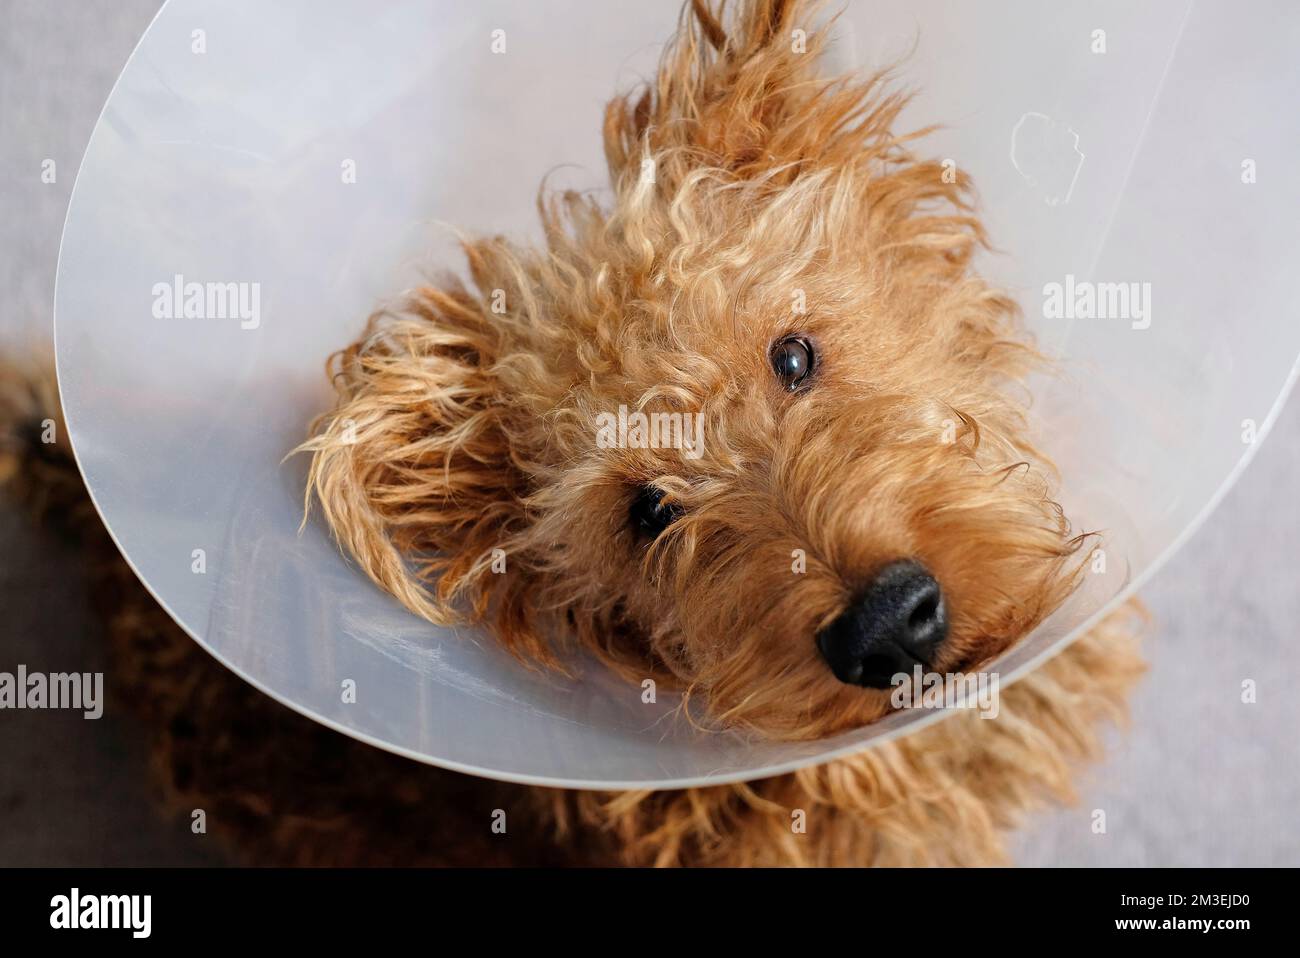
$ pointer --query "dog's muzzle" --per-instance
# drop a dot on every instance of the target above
(897, 623)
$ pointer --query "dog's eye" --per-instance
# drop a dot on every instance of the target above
(650, 515)
(792, 361)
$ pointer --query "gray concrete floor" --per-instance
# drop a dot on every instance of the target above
(1199, 779)
(72, 792)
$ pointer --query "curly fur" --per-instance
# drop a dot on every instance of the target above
(281, 789)
(751, 199)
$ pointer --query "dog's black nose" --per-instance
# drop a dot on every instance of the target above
(898, 622)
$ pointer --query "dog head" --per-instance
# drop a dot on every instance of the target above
(751, 427)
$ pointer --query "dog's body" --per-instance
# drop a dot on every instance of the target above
(777, 262)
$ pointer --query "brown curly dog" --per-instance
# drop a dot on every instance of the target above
(750, 429)
(281, 789)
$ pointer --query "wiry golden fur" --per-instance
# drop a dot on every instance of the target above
(280, 789)
(752, 199)
(942, 796)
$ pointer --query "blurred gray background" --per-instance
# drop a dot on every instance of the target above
(1199, 779)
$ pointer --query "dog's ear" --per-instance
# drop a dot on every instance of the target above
(739, 89)
(413, 470)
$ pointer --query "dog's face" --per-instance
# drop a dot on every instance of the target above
(751, 428)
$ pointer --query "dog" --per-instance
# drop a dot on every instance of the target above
(859, 497)
(843, 489)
